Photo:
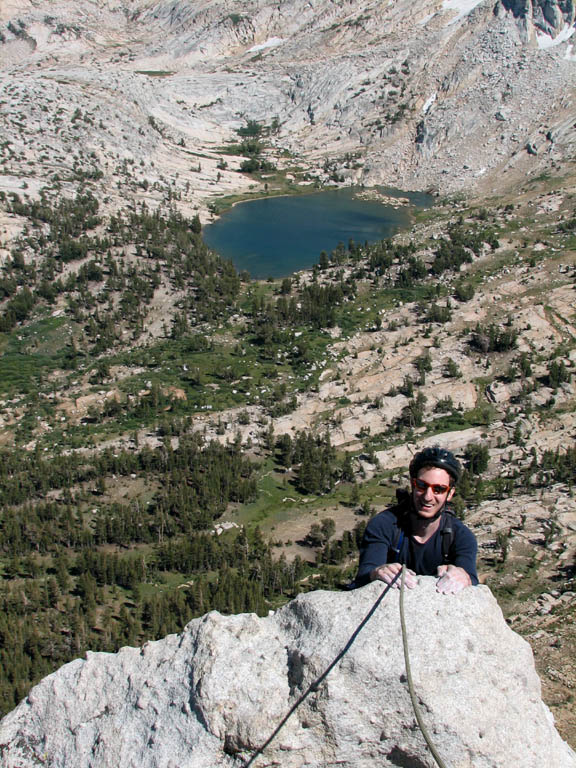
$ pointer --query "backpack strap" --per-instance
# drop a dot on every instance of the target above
(399, 542)
(403, 499)
(447, 535)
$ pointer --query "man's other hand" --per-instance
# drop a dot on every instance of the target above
(452, 579)
(386, 573)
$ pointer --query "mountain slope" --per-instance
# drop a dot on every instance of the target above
(421, 94)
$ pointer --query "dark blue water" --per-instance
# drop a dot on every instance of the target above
(276, 236)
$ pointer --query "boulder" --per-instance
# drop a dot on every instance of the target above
(213, 694)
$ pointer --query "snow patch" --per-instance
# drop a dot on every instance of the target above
(569, 55)
(271, 43)
(545, 41)
(428, 104)
(463, 7)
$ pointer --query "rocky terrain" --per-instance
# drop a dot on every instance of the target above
(175, 701)
(140, 103)
(449, 96)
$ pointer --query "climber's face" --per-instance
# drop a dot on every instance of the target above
(431, 489)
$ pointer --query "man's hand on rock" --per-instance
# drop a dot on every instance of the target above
(452, 579)
(386, 573)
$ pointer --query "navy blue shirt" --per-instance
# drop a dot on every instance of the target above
(381, 538)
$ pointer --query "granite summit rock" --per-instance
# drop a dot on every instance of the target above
(211, 695)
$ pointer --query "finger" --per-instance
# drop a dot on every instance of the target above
(443, 585)
(396, 583)
(448, 586)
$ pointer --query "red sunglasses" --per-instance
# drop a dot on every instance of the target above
(422, 486)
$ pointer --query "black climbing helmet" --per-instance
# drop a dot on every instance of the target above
(436, 457)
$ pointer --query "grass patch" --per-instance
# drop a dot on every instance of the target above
(279, 499)
(155, 72)
(23, 373)
(482, 415)
(270, 505)
(277, 186)
(31, 352)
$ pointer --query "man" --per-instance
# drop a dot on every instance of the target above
(421, 532)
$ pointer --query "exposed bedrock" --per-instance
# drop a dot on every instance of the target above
(210, 695)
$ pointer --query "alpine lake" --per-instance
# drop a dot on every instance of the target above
(273, 237)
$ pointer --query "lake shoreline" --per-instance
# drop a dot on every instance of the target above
(281, 234)
(368, 193)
